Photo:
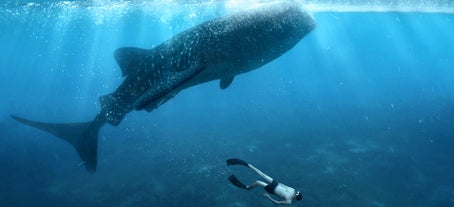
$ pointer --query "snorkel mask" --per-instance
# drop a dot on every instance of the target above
(298, 196)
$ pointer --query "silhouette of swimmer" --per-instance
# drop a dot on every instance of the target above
(286, 193)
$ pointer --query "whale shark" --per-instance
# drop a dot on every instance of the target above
(217, 49)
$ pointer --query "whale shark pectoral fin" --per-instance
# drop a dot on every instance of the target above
(225, 82)
(163, 83)
(154, 105)
(132, 60)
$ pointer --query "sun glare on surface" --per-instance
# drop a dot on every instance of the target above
(238, 5)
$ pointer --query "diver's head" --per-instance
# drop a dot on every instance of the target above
(298, 196)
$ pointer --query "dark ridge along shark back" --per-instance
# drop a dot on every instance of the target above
(218, 49)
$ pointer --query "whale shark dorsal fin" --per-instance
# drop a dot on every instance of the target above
(132, 60)
(225, 82)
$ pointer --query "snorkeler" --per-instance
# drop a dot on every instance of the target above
(286, 193)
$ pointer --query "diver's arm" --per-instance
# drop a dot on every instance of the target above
(276, 201)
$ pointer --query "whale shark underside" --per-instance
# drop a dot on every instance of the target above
(217, 49)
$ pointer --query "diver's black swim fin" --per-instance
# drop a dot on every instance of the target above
(235, 161)
(237, 182)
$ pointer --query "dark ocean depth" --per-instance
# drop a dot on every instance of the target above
(359, 113)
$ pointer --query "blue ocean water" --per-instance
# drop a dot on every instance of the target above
(359, 113)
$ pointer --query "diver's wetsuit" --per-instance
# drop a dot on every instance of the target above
(270, 187)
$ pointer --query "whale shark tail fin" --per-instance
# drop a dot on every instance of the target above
(82, 136)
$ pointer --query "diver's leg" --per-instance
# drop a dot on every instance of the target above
(263, 175)
(256, 183)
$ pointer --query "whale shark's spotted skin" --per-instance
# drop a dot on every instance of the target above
(218, 49)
